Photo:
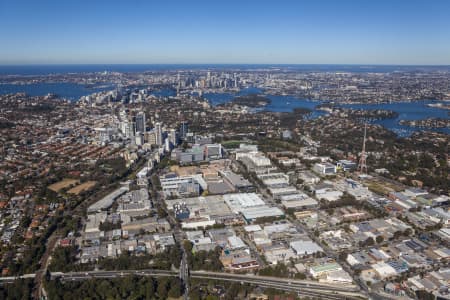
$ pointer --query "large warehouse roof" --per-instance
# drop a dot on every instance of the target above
(238, 201)
(252, 213)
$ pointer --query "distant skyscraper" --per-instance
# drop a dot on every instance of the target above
(158, 133)
(140, 122)
(184, 129)
(173, 137)
(128, 130)
(178, 83)
(167, 145)
(139, 138)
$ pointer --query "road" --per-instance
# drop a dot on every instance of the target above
(184, 275)
(51, 244)
(178, 234)
(301, 228)
(303, 287)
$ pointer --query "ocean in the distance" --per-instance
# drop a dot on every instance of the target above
(130, 68)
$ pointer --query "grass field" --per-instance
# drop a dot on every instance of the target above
(82, 187)
(56, 187)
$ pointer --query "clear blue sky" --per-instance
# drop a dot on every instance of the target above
(229, 31)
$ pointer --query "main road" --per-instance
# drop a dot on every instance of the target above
(302, 287)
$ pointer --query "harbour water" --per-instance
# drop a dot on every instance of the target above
(70, 91)
(415, 110)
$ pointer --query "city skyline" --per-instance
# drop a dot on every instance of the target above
(326, 32)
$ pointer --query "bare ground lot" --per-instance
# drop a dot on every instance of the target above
(82, 187)
(56, 187)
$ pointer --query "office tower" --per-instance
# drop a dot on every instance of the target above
(184, 129)
(178, 83)
(139, 138)
(151, 137)
(173, 137)
(158, 133)
(167, 145)
(128, 130)
(140, 122)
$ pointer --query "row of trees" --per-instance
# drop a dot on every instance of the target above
(203, 260)
(20, 289)
(35, 249)
(279, 270)
(64, 260)
(349, 200)
(216, 289)
(130, 287)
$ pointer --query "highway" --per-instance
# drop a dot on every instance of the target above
(302, 287)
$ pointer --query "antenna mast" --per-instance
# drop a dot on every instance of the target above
(362, 167)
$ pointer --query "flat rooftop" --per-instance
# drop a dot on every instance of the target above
(108, 200)
(239, 201)
(209, 205)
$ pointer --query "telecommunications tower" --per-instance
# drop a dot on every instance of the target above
(362, 167)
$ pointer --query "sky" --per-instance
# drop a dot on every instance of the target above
(230, 32)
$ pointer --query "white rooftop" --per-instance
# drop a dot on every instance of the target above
(305, 247)
(252, 213)
(239, 201)
(108, 200)
(236, 242)
(252, 228)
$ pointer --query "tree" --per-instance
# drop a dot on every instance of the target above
(233, 291)
(301, 276)
(424, 295)
(397, 234)
(194, 294)
(163, 285)
(343, 255)
(379, 239)
(407, 232)
(370, 241)
(279, 270)
(175, 288)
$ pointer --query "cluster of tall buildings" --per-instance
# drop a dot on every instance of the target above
(211, 80)
(134, 127)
